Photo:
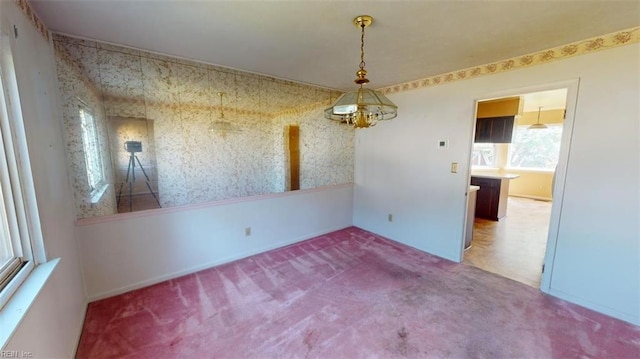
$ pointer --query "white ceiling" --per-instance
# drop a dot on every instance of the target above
(548, 100)
(315, 42)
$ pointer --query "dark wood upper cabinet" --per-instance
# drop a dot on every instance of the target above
(494, 129)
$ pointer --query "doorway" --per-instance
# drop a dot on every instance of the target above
(515, 170)
(292, 157)
(135, 167)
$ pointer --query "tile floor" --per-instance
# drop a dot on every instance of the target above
(513, 247)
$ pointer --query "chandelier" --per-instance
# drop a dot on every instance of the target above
(363, 107)
(221, 125)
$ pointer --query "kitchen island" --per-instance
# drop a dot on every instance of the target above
(491, 201)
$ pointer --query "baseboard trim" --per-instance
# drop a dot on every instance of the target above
(74, 350)
(539, 198)
(627, 317)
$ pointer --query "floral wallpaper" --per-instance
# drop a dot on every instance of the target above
(326, 154)
(204, 151)
(26, 9)
(620, 38)
(75, 87)
(202, 157)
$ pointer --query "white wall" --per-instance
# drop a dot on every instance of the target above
(129, 251)
(52, 326)
(400, 170)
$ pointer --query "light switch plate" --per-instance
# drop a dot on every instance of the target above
(454, 167)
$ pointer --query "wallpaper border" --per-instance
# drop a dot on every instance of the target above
(597, 43)
(602, 42)
(28, 11)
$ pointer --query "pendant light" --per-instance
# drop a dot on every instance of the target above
(363, 107)
(221, 125)
(537, 125)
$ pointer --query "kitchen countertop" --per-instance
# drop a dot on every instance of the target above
(508, 176)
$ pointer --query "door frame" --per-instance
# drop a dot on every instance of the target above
(558, 189)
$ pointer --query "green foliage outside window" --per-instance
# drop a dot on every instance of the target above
(537, 148)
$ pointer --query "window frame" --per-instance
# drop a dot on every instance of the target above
(12, 216)
(18, 206)
(91, 149)
(476, 146)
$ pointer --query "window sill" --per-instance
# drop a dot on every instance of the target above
(97, 194)
(17, 307)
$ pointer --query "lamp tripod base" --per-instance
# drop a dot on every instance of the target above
(131, 169)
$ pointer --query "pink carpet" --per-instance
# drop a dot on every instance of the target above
(348, 294)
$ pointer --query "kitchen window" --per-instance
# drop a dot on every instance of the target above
(483, 154)
(537, 149)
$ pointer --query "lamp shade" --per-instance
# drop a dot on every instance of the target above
(538, 125)
(363, 107)
(364, 104)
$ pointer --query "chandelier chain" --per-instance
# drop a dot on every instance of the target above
(362, 26)
(221, 115)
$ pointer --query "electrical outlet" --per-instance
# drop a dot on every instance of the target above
(247, 231)
(390, 217)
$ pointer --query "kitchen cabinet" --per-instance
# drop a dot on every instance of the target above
(494, 129)
(491, 200)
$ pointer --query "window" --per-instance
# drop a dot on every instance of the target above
(15, 249)
(483, 154)
(24, 269)
(536, 148)
(92, 158)
(18, 227)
